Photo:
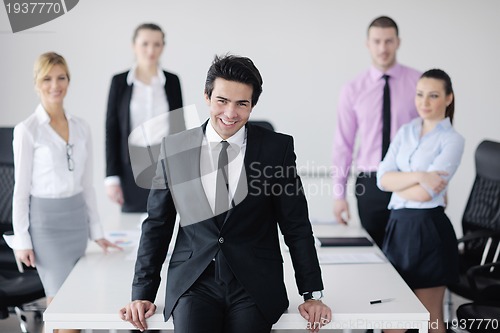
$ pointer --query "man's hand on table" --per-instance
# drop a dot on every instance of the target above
(136, 313)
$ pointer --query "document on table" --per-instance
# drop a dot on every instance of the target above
(129, 239)
(350, 258)
(124, 238)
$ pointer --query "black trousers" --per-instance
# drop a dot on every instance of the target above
(213, 307)
(372, 206)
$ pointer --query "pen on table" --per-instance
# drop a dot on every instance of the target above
(378, 301)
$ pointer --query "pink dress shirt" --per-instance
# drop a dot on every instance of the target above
(360, 113)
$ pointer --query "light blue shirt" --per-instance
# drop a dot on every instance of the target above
(439, 150)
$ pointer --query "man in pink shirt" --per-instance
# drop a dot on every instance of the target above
(371, 109)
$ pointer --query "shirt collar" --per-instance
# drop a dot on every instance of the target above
(444, 125)
(132, 79)
(394, 71)
(214, 138)
(43, 117)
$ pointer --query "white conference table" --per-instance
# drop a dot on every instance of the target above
(100, 285)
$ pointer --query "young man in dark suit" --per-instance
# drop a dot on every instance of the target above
(232, 184)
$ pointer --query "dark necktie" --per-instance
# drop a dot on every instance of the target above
(386, 117)
(223, 273)
(222, 186)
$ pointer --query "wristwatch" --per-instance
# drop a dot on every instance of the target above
(314, 295)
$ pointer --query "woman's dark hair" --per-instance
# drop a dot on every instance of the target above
(234, 68)
(148, 26)
(439, 74)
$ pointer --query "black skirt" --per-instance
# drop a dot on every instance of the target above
(421, 244)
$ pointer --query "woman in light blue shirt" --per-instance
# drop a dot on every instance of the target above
(420, 241)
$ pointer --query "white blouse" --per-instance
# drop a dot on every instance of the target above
(42, 169)
(148, 100)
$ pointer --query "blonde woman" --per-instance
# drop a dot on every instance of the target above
(54, 204)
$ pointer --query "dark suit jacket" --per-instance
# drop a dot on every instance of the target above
(118, 130)
(250, 232)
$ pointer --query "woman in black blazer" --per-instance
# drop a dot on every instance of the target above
(135, 96)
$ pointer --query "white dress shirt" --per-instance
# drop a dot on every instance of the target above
(209, 161)
(147, 102)
(42, 170)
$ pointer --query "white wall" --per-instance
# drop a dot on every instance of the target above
(305, 50)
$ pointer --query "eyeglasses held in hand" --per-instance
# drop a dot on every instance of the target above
(69, 157)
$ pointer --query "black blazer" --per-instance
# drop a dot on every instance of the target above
(250, 232)
(118, 119)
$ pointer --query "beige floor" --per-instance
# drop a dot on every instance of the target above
(11, 324)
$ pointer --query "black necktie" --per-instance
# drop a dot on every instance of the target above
(223, 273)
(386, 117)
(222, 186)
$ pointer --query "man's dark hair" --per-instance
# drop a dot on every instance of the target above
(384, 22)
(234, 68)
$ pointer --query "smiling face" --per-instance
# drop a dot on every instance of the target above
(52, 87)
(148, 46)
(230, 106)
(431, 99)
(383, 44)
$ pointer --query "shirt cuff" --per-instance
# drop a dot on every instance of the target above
(431, 193)
(112, 180)
(19, 242)
(339, 189)
(339, 196)
(380, 174)
(96, 231)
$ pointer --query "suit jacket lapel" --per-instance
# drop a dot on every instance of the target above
(125, 107)
(168, 93)
(254, 143)
(125, 114)
(194, 163)
(184, 177)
